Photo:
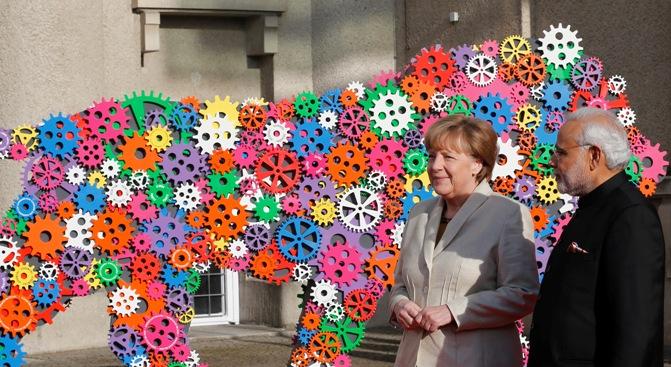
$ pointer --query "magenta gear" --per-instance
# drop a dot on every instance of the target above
(48, 173)
(291, 204)
(315, 165)
(341, 264)
(558, 227)
(240, 263)
(18, 152)
(48, 202)
(255, 139)
(80, 287)
(375, 288)
(161, 332)
(387, 156)
(473, 92)
(383, 77)
(385, 230)
(206, 194)
(141, 243)
(353, 122)
(490, 48)
(425, 124)
(342, 360)
(245, 156)
(180, 352)
(555, 120)
(458, 82)
(141, 209)
(519, 94)
(249, 185)
(107, 120)
(182, 163)
(657, 170)
(156, 290)
(91, 153)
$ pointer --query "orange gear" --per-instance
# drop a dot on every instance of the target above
(278, 171)
(112, 230)
(325, 347)
(507, 71)
(422, 97)
(82, 124)
(360, 305)
(348, 98)
(282, 269)
(410, 84)
(368, 140)
(504, 185)
(181, 258)
(158, 359)
(17, 313)
(540, 218)
(382, 262)
(153, 306)
(285, 110)
(220, 258)
(227, 217)
(191, 100)
(530, 70)
(196, 219)
(393, 209)
(137, 155)
(311, 320)
(45, 237)
(395, 188)
(252, 117)
(145, 267)
(647, 187)
(66, 209)
(435, 66)
(263, 265)
(301, 357)
(527, 141)
(346, 164)
(200, 244)
(221, 161)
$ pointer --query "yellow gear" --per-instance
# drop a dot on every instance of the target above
(410, 181)
(228, 108)
(220, 244)
(92, 277)
(26, 135)
(158, 138)
(187, 316)
(513, 47)
(547, 190)
(528, 117)
(255, 101)
(323, 212)
(24, 275)
(97, 179)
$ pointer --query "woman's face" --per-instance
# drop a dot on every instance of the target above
(453, 173)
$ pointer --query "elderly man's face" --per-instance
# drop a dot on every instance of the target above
(570, 161)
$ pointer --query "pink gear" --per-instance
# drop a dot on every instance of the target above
(341, 264)
(519, 94)
(161, 332)
(555, 120)
(382, 78)
(206, 194)
(598, 102)
(249, 185)
(387, 156)
(80, 287)
(458, 82)
(558, 228)
(91, 153)
(141, 209)
(657, 169)
(427, 122)
(315, 165)
(385, 230)
(313, 307)
(375, 288)
(342, 360)
(141, 242)
(49, 202)
(255, 139)
(47, 173)
(107, 120)
(239, 263)
(490, 48)
(245, 156)
(156, 290)
(353, 122)
(291, 204)
(638, 143)
(125, 257)
(180, 352)
(473, 93)
(18, 152)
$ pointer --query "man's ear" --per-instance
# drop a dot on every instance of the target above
(595, 156)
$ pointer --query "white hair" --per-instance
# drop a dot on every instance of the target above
(601, 128)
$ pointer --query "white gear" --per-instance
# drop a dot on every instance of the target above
(193, 360)
(216, 132)
(509, 153)
(118, 193)
(238, 248)
(139, 180)
(617, 85)
(439, 102)
(48, 271)
(187, 196)
(481, 70)
(254, 101)
(124, 301)
(569, 203)
(328, 119)
(565, 48)
(334, 312)
(323, 292)
(627, 116)
(358, 88)
(302, 273)
(276, 133)
(77, 231)
(76, 175)
(140, 361)
(376, 180)
(397, 233)
(9, 252)
(201, 267)
(537, 91)
(392, 113)
(359, 209)
(110, 168)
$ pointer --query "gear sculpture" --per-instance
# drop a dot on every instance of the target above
(140, 195)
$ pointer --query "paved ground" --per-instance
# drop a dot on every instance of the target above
(244, 347)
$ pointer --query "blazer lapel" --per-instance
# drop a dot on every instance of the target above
(477, 198)
(432, 223)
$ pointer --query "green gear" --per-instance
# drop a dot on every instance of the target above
(137, 105)
(224, 184)
(306, 104)
(459, 104)
(177, 364)
(349, 332)
(560, 73)
(20, 224)
(415, 162)
(634, 169)
(192, 282)
(540, 159)
(374, 96)
(108, 271)
(267, 208)
(160, 193)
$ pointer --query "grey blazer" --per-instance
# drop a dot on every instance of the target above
(483, 268)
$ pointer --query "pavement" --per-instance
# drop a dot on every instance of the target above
(236, 345)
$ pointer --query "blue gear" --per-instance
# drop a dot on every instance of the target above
(183, 117)
(543, 133)
(90, 198)
(173, 277)
(330, 101)
(11, 352)
(46, 292)
(556, 95)
(305, 335)
(548, 229)
(58, 135)
(409, 200)
(495, 109)
(298, 239)
(25, 206)
(310, 137)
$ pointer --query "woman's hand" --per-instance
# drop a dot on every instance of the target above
(406, 311)
(434, 317)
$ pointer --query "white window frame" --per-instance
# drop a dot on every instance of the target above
(229, 283)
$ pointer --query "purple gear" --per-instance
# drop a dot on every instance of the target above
(462, 54)
(166, 232)
(257, 237)
(5, 140)
(182, 163)
(4, 282)
(586, 74)
(413, 138)
(178, 300)
(75, 262)
(154, 118)
(543, 250)
(315, 189)
(123, 341)
(525, 188)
